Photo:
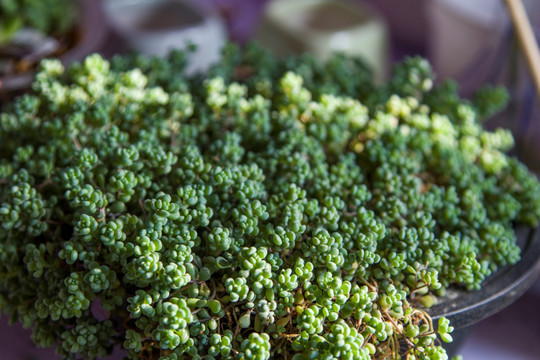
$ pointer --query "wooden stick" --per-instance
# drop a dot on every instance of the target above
(527, 39)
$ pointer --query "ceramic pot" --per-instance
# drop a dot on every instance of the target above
(155, 27)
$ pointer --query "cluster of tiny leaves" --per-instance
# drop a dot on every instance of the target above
(51, 17)
(268, 209)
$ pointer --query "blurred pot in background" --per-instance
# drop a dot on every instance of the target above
(406, 21)
(467, 40)
(458, 36)
(154, 27)
(322, 27)
(472, 42)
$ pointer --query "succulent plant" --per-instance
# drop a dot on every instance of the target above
(270, 208)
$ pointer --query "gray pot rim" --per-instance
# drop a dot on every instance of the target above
(465, 308)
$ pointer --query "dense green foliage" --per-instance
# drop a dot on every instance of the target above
(272, 209)
(51, 17)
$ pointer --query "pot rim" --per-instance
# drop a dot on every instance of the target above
(465, 308)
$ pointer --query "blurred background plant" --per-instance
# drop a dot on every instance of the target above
(50, 17)
(33, 29)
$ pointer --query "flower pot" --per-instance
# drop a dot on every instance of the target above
(465, 40)
(155, 27)
(322, 27)
(90, 33)
(406, 20)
